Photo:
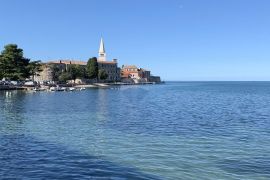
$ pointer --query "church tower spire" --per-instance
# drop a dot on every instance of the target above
(101, 52)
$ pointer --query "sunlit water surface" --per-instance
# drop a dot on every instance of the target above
(185, 130)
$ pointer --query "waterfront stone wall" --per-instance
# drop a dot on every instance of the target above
(155, 79)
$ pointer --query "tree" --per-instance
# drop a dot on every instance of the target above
(12, 63)
(92, 68)
(102, 75)
(56, 72)
(34, 68)
(64, 76)
(2, 67)
(76, 71)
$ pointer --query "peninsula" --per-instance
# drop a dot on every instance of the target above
(17, 70)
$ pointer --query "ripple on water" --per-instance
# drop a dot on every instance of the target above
(191, 130)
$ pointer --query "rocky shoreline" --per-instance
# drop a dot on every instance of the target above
(93, 85)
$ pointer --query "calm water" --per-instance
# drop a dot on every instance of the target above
(187, 130)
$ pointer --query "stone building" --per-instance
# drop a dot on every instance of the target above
(130, 71)
(137, 75)
(45, 75)
(145, 74)
(155, 79)
(110, 67)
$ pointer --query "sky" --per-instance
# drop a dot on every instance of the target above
(184, 40)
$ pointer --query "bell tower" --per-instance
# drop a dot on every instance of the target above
(101, 52)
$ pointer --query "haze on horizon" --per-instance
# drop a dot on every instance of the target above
(176, 39)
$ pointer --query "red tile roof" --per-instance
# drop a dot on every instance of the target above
(78, 62)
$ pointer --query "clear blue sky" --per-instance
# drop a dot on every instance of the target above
(176, 39)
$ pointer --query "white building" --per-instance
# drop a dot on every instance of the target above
(110, 67)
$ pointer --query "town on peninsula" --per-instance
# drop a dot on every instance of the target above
(18, 72)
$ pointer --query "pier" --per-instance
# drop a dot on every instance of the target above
(9, 87)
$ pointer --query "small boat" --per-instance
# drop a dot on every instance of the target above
(62, 89)
(82, 88)
(39, 89)
(57, 88)
(72, 89)
(52, 88)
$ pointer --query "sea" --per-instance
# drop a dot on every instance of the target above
(176, 130)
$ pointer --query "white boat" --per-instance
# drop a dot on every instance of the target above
(29, 83)
(57, 88)
(39, 89)
(52, 88)
(72, 89)
(82, 88)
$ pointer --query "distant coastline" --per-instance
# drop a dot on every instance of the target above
(18, 72)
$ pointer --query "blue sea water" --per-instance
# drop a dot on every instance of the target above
(177, 130)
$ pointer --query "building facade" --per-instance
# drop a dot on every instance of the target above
(45, 75)
(138, 75)
(133, 74)
(110, 67)
(128, 73)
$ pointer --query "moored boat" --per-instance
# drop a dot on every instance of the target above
(39, 89)
(57, 88)
(71, 89)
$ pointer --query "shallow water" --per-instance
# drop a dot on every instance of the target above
(179, 130)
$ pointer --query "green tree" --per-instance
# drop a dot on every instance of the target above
(3, 67)
(92, 68)
(34, 68)
(12, 63)
(76, 71)
(64, 76)
(56, 72)
(102, 75)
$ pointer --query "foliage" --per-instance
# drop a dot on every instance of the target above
(34, 68)
(1, 68)
(14, 66)
(64, 76)
(92, 68)
(56, 72)
(102, 75)
(71, 72)
(12, 63)
(76, 71)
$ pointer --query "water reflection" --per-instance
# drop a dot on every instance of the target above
(12, 107)
(102, 104)
(180, 130)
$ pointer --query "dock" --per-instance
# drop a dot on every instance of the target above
(10, 87)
